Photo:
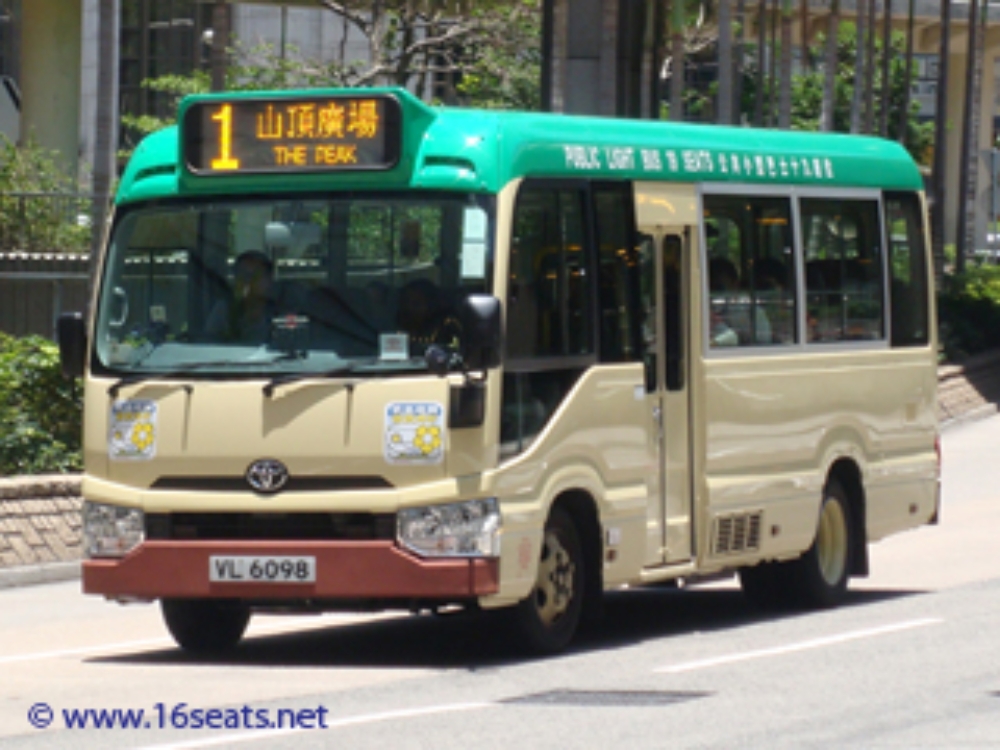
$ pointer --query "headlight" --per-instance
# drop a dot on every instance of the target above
(111, 530)
(467, 529)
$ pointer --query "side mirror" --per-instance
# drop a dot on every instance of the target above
(71, 333)
(479, 316)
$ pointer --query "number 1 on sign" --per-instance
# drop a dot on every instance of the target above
(225, 119)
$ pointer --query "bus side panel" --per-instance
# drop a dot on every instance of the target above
(774, 425)
(595, 442)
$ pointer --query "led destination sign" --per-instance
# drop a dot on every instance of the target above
(308, 134)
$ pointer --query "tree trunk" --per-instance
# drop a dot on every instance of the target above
(758, 104)
(220, 43)
(904, 111)
(830, 68)
(869, 95)
(677, 61)
(804, 35)
(772, 72)
(859, 65)
(741, 51)
(658, 54)
(968, 162)
(724, 103)
(941, 140)
(785, 85)
(104, 132)
(883, 114)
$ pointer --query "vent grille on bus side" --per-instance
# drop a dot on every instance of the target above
(737, 533)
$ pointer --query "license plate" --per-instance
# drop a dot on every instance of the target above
(250, 569)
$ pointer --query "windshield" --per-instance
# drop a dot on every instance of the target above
(359, 283)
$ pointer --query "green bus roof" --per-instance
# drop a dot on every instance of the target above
(482, 150)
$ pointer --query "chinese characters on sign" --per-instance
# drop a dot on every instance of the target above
(698, 162)
(267, 135)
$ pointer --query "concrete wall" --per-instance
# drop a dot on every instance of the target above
(39, 520)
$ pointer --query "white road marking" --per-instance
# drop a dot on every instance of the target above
(854, 635)
(289, 626)
(332, 724)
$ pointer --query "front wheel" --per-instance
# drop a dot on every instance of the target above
(205, 625)
(548, 618)
(820, 575)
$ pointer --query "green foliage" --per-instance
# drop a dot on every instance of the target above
(506, 73)
(807, 91)
(493, 52)
(39, 202)
(40, 410)
(969, 312)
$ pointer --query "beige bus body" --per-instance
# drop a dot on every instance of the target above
(725, 472)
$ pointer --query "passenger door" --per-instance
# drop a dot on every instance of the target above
(665, 259)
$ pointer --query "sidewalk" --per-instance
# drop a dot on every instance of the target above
(40, 516)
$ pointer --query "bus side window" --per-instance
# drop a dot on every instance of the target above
(549, 310)
(844, 284)
(550, 313)
(908, 268)
(751, 271)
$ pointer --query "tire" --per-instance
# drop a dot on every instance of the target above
(547, 620)
(819, 578)
(205, 625)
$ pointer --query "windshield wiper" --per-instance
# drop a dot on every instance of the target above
(184, 369)
(293, 377)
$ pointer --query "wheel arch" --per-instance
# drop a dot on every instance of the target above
(582, 508)
(848, 474)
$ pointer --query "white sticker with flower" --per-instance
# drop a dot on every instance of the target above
(414, 433)
(132, 430)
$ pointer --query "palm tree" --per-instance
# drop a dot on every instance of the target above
(772, 66)
(904, 111)
(869, 95)
(883, 115)
(104, 135)
(724, 106)
(940, 138)
(969, 167)
(741, 48)
(785, 85)
(830, 67)
(859, 65)
(758, 104)
(804, 34)
(677, 60)
(220, 41)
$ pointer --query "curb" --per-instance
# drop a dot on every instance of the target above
(32, 575)
(976, 415)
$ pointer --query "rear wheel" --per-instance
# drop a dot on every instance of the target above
(549, 617)
(820, 576)
(205, 625)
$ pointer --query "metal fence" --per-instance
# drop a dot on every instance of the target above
(36, 287)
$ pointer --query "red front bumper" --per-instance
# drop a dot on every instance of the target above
(344, 570)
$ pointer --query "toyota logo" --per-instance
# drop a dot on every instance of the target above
(267, 475)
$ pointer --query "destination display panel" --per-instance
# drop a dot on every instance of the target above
(276, 135)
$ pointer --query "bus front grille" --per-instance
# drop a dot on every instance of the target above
(271, 526)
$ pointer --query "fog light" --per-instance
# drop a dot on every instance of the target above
(111, 530)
